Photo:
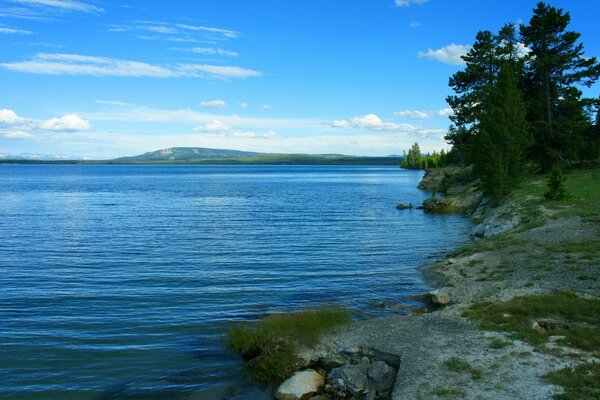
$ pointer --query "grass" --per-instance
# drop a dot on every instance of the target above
(449, 393)
(575, 318)
(580, 383)
(583, 187)
(269, 346)
(457, 365)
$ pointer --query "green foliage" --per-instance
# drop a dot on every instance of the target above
(457, 365)
(415, 160)
(269, 345)
(503, 139)
(575, 318)
(580, 383)
(556, 185)
(555, 66)
(538, 112)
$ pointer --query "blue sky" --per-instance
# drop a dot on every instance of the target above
(101, 79)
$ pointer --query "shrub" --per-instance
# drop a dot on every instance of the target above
(556, 185)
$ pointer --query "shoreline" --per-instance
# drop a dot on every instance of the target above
(518, 251)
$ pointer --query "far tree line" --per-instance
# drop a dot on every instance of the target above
(519, 99)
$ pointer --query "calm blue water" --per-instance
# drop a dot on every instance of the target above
(117, 281)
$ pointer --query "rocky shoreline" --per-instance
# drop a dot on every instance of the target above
(443, 354)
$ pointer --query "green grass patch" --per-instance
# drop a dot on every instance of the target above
(580, 383)
(449, 393)
(457, 365)
(534, 318)
(269, 345)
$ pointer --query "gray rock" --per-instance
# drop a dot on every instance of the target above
(350, 378)
(301, 386)
(381, 377)
(440, 297)
(332, 361)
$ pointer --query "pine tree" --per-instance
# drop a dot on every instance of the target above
(471, 85)
(505, 136)
(555, 65)
(556, 184)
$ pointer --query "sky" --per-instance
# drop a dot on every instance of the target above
(102, 79)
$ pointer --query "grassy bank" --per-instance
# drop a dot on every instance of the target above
(269, 346)
(548, 267)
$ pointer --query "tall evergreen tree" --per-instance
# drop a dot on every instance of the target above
(504, 136)
(472, 86)
(556, 64)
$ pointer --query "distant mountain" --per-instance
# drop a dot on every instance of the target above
(189, 153)
(37, 157)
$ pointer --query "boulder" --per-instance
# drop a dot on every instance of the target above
(350, 379)
(408, 206)
(440, 297)
(381, 377)
(300, 386)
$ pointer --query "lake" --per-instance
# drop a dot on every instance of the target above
(118, 281)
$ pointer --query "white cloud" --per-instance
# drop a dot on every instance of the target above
(13, 31)
(340, 123)
(75, 64)
(265, 107)
(9, 117)
(67, 123)
(418, 114)
(445, 112)
(450, 54)
(214, 104)
(214, 51)
(407, 3)
(66, 5)
(413, 114)
(246, 134)
(221, 128)
(414, 24)
(243, 104)
(161, 29)
(124, 112)
(215, 126)
(16, 135)
(215, 71)
(374, 123)
(176, 32)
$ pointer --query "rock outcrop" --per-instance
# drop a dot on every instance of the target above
(300, 386)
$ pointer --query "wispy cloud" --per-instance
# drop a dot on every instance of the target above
(13, 31)
(419, 114)
(408, 3)
(213, 104)
(175, 32)
(21, 135)
(63, 5)
(124, 112)
(220, 128)
(450, 54)
(214, 51)
(76, 64)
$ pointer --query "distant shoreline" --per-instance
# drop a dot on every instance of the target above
(225, 161)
